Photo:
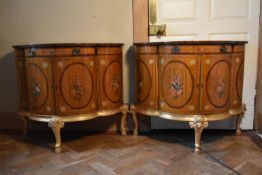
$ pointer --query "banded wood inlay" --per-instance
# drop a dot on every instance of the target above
(38, 86)
(144, 81)
(217, 84)
(112, 79)
(76, 85)
(177, 70)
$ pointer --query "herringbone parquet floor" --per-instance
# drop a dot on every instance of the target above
(223, 153)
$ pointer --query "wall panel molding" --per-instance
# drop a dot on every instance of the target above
(229, 9)
(229, 36)
(177, 10)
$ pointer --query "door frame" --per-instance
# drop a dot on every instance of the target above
(258, 98)
(140, 21)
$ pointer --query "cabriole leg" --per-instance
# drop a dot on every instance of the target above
(25, 124)
(123, 119)
(238, 121)
(56, 123)
(133, 111)
(198, 124)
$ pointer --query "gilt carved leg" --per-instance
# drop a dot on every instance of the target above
(56, 123)
(123, 119)
(25, 125)
(198, 124)
(133, 111)
(238, 121)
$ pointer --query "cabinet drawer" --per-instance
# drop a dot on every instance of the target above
(147, 49)
(67, 51)
(239, 49)
(182, 49)
(109, 50)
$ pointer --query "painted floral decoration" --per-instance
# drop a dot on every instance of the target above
(115, 82)
(176, 87)
(36, 88)
(220, 88)
(76, 89)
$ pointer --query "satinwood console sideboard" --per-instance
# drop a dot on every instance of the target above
(61, 83)
(193, 81)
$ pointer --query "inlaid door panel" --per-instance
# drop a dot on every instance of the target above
(146, 81)
(236, 83)
(22, 86)
(75, 85)
(179, 79)
(39, 84)
(215, 83)
(110, 81)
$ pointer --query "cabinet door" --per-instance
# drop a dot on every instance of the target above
(237, 74)
(110, 81)
(146, 81)
(215, 83)
(39, 85)
(179, 77)
(76, 87)
(22, 86)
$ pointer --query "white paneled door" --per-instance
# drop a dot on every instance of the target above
(214, 20)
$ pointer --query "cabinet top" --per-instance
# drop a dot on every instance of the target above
(191, 43)
(69, 45)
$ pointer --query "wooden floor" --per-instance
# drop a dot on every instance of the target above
(114, 154)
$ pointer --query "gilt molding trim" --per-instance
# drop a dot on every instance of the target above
(71, 118)
(191, 118)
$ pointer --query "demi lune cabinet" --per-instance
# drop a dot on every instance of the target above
(61, 83)
(193, 81)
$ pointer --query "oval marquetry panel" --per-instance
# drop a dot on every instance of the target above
(217, 84)
(144, 81)
(177, 84)
(76, 85)
(239, 81)
(112, 81)
(37, 85)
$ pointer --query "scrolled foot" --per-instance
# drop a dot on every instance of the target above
(238, 132)
(123, 133)
(197, 150)
(58, 149)
(56, 123)
(134, 115)
(125, 109)
(198, 124)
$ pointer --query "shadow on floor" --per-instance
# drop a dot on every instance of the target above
(84, 140)
(186, 138)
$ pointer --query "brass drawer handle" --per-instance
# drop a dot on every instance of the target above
(31, 52)
(76, 51)
(223, 49)
(176, 50)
